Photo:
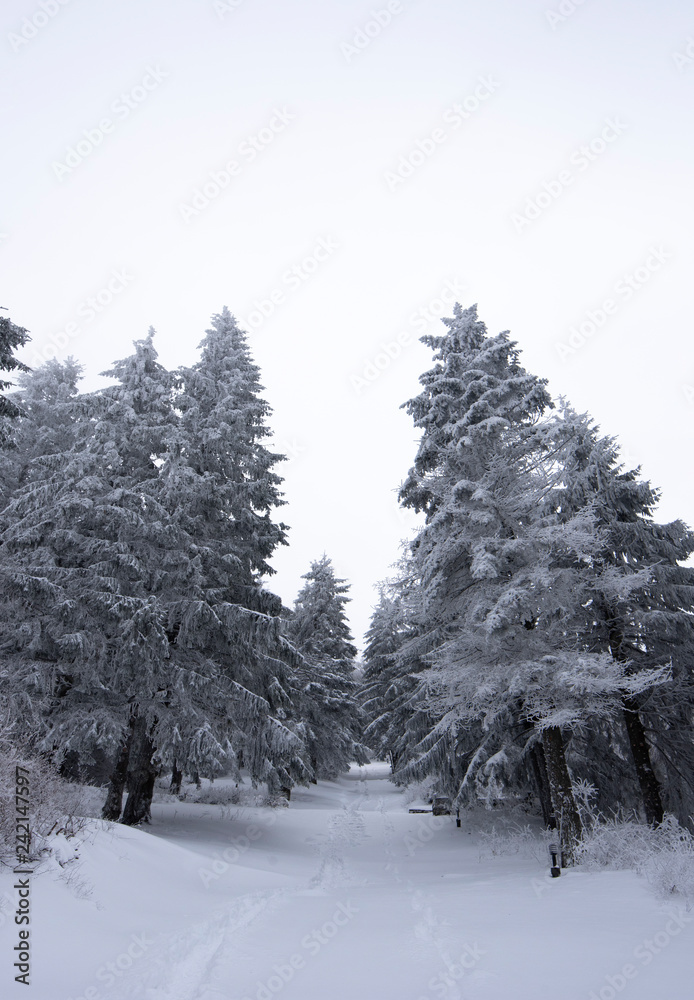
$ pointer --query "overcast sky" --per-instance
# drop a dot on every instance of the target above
(335, 173)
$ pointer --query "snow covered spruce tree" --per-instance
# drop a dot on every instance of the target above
(45, 429)
(501, 576)
(327, 690)
(647, 622)
(11, 337)
(141, 624)
(135, 422)
(222, 491)
(226, 699)
(44, 402)
(390, 694)
(87, 554)
(384, 638)
(70, 547)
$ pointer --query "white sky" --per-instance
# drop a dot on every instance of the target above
(220, 75)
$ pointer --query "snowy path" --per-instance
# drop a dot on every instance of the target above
(344, 895)
(357, 921)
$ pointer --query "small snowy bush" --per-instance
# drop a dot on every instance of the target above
(514, 839)
(219, 794)
(421, 791)
(54, 805)
(664, 855)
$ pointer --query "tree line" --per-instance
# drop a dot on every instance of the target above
(137, 526)
(535, 643)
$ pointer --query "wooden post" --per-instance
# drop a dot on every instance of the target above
(555, 870)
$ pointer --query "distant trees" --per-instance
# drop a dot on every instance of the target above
(391, 698)
(325, 678)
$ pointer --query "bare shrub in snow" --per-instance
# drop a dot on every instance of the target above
(54, 805)
(514, 839)
(421, 791)
(664, 855)
(220, 794)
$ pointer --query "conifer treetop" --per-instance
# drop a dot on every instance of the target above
(320, 621)
(474, 396)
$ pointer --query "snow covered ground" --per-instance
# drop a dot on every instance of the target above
(343, 895)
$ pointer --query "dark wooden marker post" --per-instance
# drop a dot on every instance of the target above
(555, 870)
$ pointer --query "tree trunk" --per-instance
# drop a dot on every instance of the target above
(176, 779)
(114, 798)
(70, 766)
(563, 802)
(648, 783)
(141, 775)
(538, 769)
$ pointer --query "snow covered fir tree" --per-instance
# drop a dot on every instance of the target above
(318, 629)
(534, 645)
(540, 637)
(136, 533)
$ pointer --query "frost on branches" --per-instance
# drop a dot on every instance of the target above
(507, 674)
(327, 690)
(137, 526)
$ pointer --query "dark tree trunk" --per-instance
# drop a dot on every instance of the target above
(563, 802)
(141, 775)
(538, 769)
(70, 766)
(176, 779)
(648, 783)
(114, 798)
